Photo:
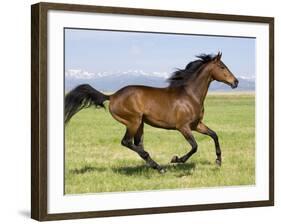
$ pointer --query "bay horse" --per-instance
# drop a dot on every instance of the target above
(180, 106)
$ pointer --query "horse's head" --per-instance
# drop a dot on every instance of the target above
(220, 72)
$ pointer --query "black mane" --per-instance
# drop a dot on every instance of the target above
(179, 77)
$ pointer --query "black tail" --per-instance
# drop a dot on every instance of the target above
(81, 97)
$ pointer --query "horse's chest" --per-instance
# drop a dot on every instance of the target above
(201, 113)
(198, 112)
(198, 116)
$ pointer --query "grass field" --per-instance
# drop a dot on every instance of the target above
(96, 162)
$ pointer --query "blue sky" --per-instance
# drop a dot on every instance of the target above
(109, 51)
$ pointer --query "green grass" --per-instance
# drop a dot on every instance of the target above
(96, 162)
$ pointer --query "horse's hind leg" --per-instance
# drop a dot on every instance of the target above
(138, 138)
(203, 129)
(189, 137)
(137, 146)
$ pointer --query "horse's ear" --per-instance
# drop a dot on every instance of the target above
(218, 57)
(220, 54)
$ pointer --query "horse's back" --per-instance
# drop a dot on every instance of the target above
(137, 89)
(135, 92)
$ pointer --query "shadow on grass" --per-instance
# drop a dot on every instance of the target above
(182, 169)
(87, 169)
(205, 162)
(132, 170)
(178, 170)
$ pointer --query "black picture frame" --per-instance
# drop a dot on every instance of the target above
(39, 106)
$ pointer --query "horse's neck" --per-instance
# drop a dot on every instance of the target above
(199, 85)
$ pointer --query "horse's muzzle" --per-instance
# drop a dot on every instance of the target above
(234, 84)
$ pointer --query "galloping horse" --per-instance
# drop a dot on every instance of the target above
(180, 106)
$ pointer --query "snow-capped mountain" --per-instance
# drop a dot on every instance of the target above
(82, 74)
(113, 80)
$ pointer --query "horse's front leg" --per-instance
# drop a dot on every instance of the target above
(190, 138)
(203, 129)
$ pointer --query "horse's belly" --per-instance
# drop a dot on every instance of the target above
(159, 122)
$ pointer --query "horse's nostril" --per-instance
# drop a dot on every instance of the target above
(236, 83)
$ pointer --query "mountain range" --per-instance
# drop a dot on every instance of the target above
(112, 81)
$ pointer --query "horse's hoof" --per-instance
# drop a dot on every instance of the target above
(218, 162)
(175, 159)
(162, 170)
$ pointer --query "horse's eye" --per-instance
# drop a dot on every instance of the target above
(222, 67)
